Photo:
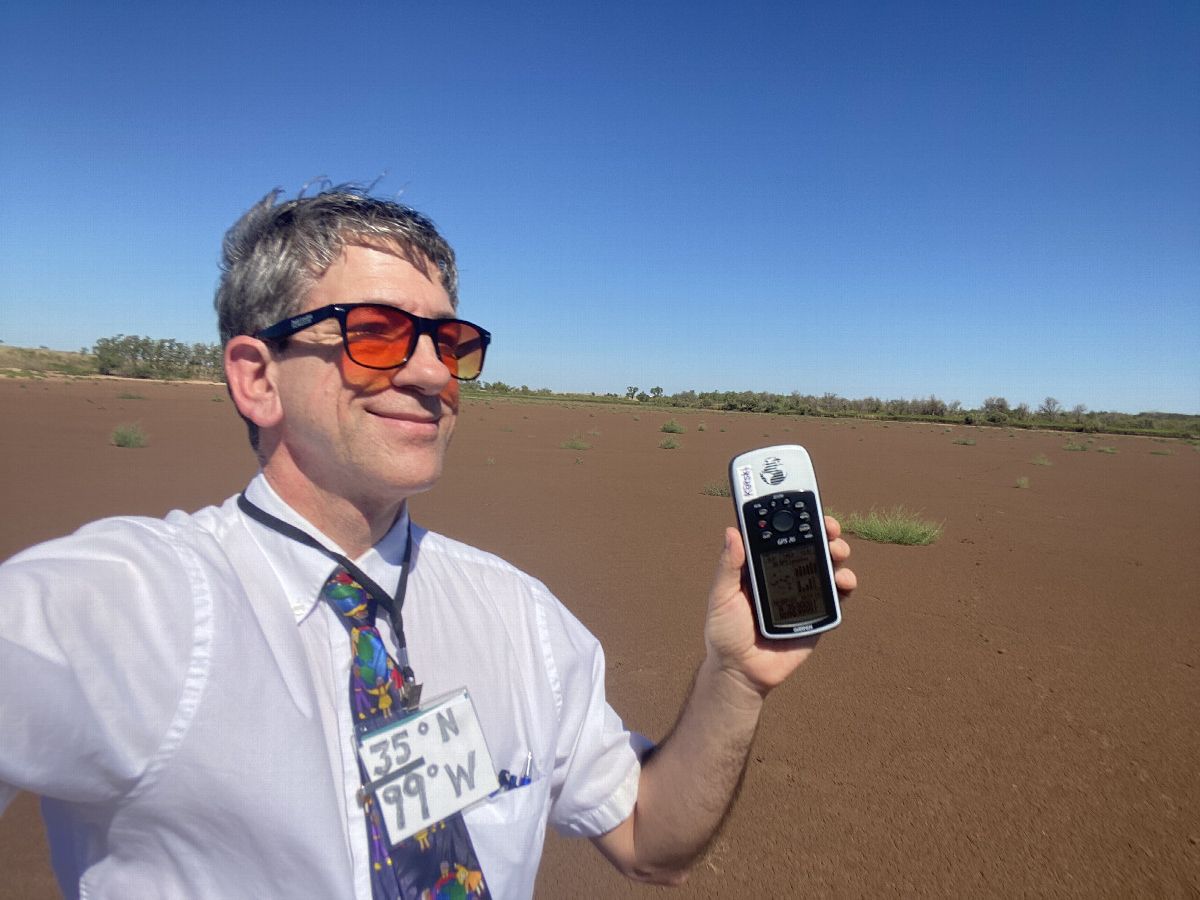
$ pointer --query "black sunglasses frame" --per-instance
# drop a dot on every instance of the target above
(285, 328)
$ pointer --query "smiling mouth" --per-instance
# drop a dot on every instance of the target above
(411, 419)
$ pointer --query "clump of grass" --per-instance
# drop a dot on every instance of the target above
(672, 427)
(491, 460)
(125, 395)
(894, 526)
(579, 460)
(1074, 446)
(701, 427)
(1161, 453)
(1106, 449)
(1022, 482)
(1041, 460)
(966, 442)
(576, 442)
(217, 398)
(668, 444)
(715, 489)
(129, 435)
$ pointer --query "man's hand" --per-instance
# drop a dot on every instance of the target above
(730, 634)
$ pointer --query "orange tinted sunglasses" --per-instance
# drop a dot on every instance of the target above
(378, 336)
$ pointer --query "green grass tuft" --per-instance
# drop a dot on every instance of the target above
(575, 443)
(669, 444)
(672, 427)
(1041, 460)
(966, 442)
(130, 435)
(1106, 449)
(1074, 446)
(1022, 482)
(894, 526)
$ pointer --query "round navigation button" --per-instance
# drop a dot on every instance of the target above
(782, 520)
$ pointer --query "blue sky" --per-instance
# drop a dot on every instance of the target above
(880, 199)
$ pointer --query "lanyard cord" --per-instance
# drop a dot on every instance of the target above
(392, 606)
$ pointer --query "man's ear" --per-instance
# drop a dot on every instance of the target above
(250, 373)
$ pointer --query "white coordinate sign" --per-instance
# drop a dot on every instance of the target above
(428, 765)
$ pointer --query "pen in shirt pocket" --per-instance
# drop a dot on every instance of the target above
(510, 781)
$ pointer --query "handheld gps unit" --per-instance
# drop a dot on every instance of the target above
(782, 523)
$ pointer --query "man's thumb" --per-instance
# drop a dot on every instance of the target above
(728, 576)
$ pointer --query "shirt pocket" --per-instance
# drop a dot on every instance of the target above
(508, 831)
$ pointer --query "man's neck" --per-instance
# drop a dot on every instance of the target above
(355, 527)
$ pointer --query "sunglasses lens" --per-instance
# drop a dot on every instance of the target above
(381, 337)
(460, 346)
(377, 336)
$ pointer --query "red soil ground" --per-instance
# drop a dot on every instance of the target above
(1014, 710)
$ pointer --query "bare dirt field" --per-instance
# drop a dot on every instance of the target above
(1014, 710)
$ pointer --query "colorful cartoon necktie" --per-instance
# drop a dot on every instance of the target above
(438, 863)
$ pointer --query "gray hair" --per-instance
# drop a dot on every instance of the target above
(275, 252)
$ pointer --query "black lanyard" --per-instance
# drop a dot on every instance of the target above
(392, 605)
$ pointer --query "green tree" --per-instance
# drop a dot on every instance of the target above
(1050, 408)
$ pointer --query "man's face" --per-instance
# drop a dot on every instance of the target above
(371, 437)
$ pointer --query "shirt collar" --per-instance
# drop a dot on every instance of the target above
(303, 570)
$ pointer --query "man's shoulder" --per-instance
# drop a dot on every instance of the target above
(134, 540)
(438, 550)
(451, 567)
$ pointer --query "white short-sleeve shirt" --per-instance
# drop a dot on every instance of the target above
(179, 697)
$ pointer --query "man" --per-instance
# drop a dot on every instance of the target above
(177, 689)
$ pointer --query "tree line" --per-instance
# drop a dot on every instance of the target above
(134, 356)
(1050, 413)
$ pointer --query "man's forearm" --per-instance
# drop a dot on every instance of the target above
(690, 780)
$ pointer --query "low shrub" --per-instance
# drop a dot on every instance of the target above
(894, 526)
(130, 435)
